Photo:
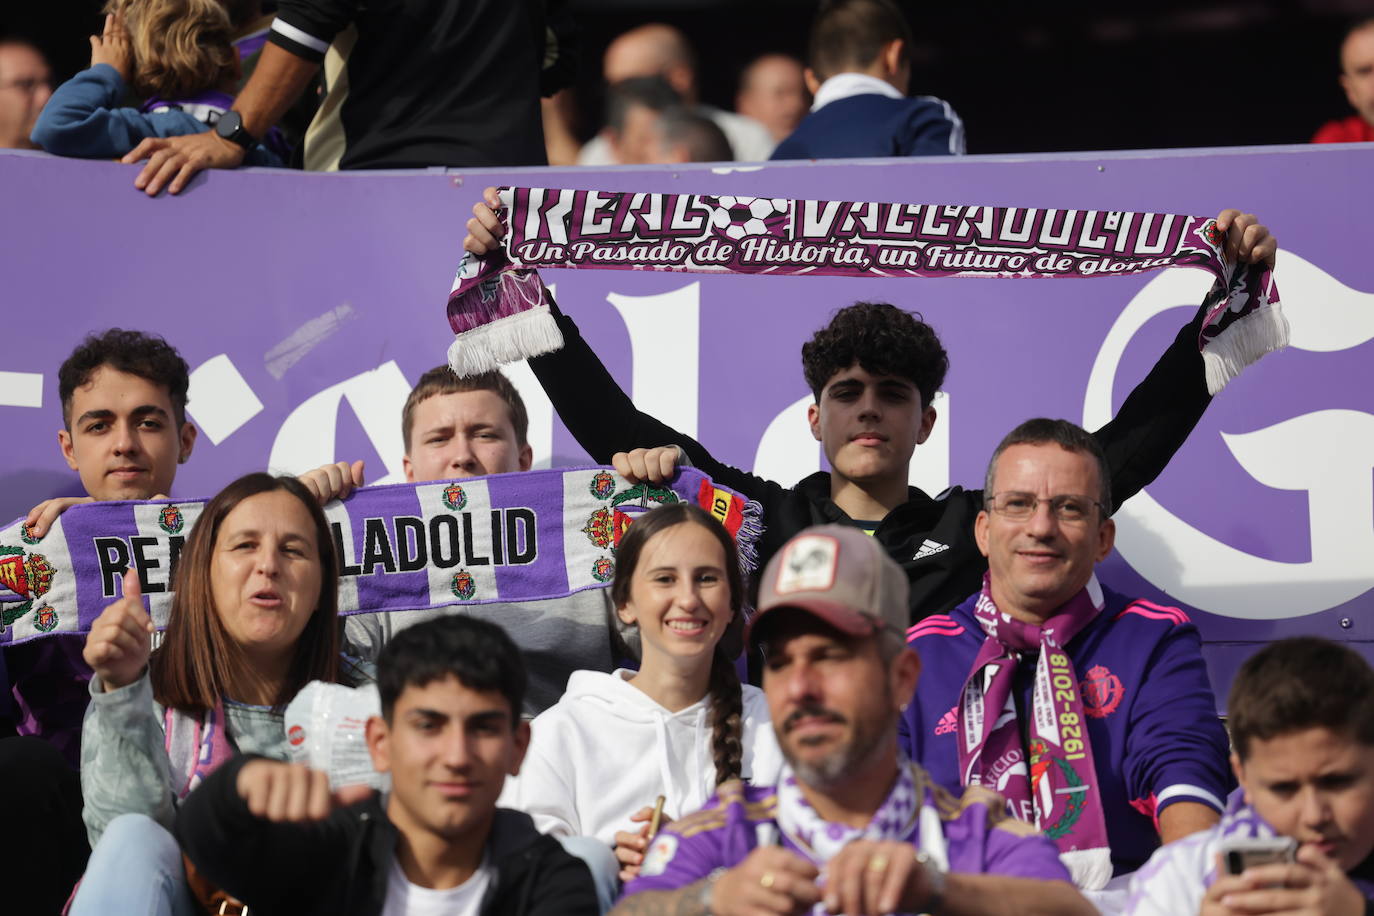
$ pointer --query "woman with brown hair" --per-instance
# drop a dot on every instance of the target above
(680, 725)
(253, 620)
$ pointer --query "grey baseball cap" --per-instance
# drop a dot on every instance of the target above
(839, 574)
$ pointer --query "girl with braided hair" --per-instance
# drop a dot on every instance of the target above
(680, 725)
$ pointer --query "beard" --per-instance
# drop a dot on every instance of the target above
(867, 736)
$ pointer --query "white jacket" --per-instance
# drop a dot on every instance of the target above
(606, 749)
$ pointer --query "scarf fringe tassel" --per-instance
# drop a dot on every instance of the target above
(1244, 342)
(510, 339)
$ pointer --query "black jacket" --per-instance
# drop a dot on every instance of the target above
(1150, 426)
(339, 866)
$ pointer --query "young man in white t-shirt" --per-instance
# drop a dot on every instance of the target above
(276, 837)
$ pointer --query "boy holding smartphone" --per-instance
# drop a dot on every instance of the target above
(1302, 730)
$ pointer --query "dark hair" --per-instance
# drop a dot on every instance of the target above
(651, 92)
(1295, 684)
(705, 141)
(850, 35)
(146, 355)
(727, 700)
(883, 340)
(1069, 436)
(443, 380)
(196, 664)
(477, 652)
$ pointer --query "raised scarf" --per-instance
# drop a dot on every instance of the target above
(1052, 782)
(528, 536)
(906, 815)
(499, 312)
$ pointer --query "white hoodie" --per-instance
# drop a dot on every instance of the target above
(606, 750)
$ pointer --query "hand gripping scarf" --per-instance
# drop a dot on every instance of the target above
(906, 814)
(528, 536)
(499, 312)
(1055, 781)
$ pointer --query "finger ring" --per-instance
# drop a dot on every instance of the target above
(877, 863)
(767, 880)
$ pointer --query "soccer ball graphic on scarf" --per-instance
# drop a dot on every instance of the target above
(737, 217)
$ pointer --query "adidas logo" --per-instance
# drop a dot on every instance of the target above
(929, 549)
(948, 724)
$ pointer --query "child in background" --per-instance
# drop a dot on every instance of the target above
(176, 54)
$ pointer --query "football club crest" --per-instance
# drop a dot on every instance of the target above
(1102, 692)
(45, 619)
(28, 577)
(170, 520)
(602, 485)
(1212, 234)
(660, 853)
(463, 586)
(296, 735)
(454, 497)
(605, 527)
(603, 570)
(1041, 763)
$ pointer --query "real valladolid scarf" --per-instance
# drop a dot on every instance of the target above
(1052, 782)
(498, 311)
(528, 536)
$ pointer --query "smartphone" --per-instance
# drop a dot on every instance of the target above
(1247, 852)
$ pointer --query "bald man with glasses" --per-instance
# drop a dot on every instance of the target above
(1090, 713)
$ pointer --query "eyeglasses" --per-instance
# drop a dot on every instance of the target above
(28, 85)
(1067, 507)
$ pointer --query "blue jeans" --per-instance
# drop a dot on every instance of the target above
(135, 869)
(601, 862)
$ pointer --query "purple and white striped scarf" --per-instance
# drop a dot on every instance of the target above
(498, 310)
(527, 536)
(1052, 782)
(906, 815)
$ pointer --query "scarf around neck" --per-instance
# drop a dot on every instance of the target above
(1053, 781)
(906, 815)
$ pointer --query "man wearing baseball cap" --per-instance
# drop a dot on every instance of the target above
(851, 827)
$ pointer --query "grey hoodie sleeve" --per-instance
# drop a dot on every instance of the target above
(124, 766)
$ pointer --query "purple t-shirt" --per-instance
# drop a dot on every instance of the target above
(1151, 714)
(980, 838)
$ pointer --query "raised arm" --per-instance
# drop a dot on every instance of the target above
(270, 831)
(596, 411)
(1160, 413)
(124, 766)
(279, 78)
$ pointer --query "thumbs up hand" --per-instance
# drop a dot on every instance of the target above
(119, 643)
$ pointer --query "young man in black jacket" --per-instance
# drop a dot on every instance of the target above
(274, 836)
(874, 370)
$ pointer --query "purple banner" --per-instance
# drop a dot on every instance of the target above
(305, 305)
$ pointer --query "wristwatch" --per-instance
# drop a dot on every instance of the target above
(935, 878)
(230, 127)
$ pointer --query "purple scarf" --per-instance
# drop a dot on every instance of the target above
(498, 312)
(195, 746)
(1055, 786)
